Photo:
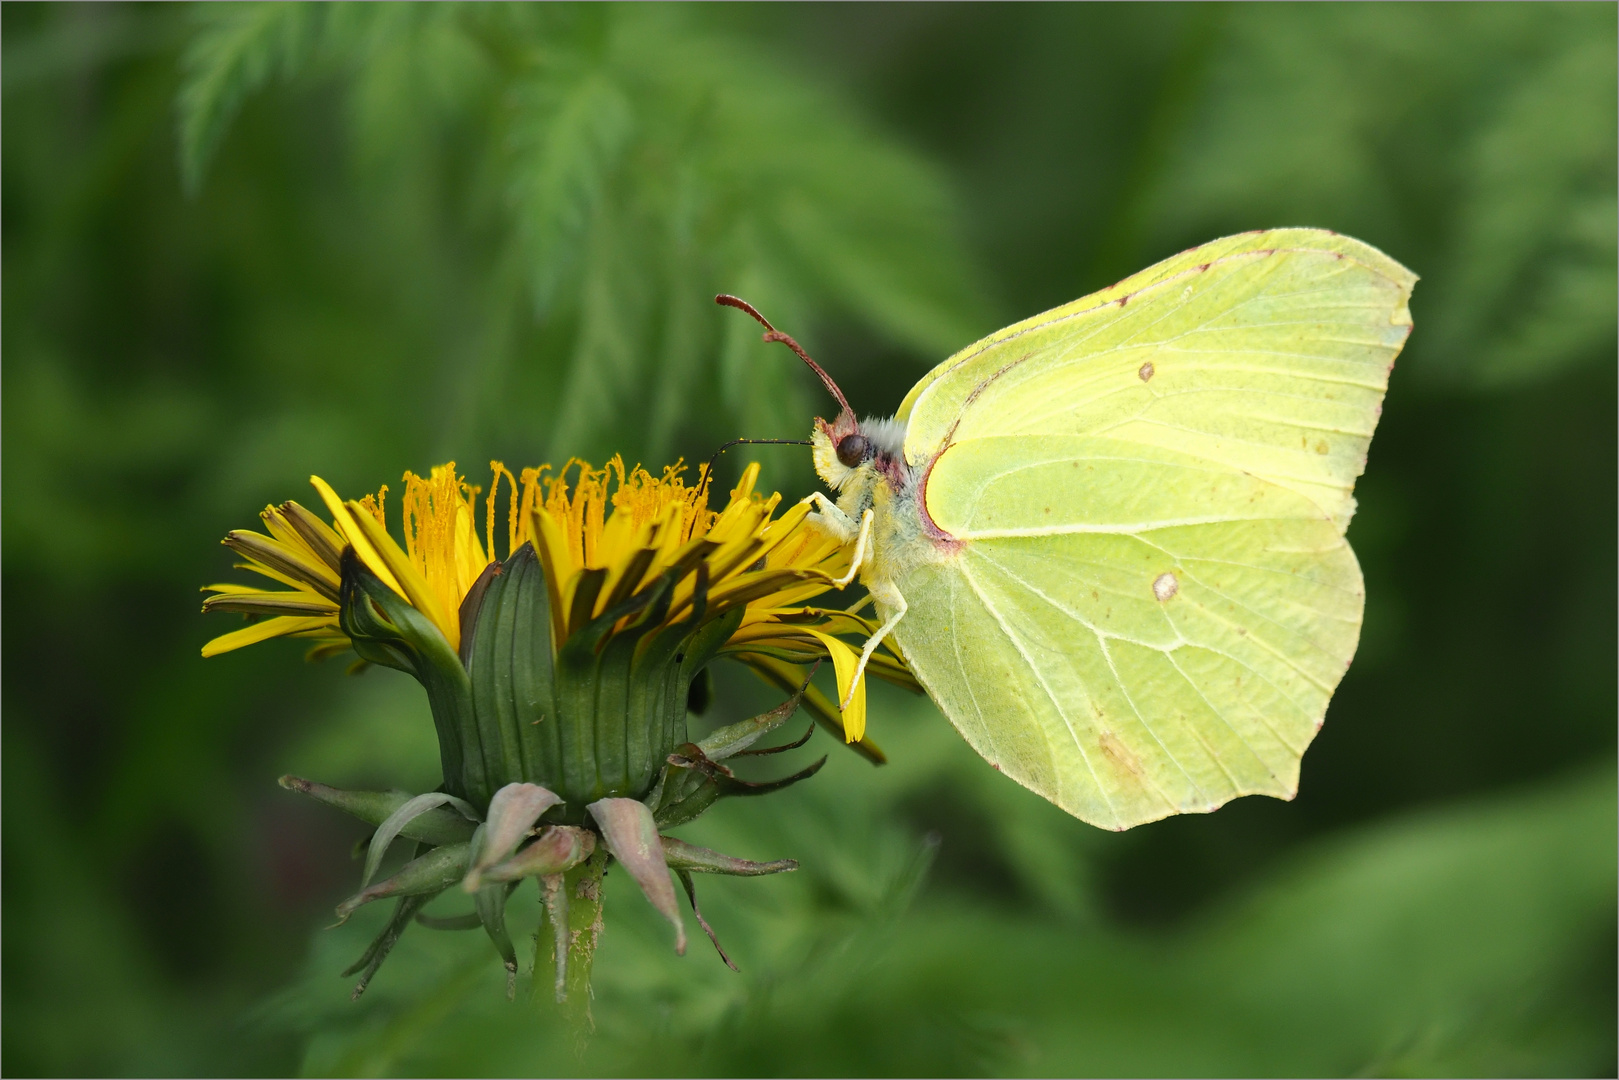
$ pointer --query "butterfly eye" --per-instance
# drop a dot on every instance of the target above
(853, 449)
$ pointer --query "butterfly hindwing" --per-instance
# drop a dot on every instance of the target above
(1133, 660)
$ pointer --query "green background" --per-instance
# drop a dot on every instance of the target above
(246, 244)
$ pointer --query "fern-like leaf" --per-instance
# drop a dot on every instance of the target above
(235, 50)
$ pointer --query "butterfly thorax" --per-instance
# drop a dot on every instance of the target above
(864, 462)
(861, 460)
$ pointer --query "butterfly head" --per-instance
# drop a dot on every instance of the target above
(840, 448)
(847, 447)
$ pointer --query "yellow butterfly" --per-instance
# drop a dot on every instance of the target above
(1109, 539)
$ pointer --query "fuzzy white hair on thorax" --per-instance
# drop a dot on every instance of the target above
(887, 435)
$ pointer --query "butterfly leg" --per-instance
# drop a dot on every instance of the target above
(829, 515)
(843, 526)
(886, 594)
(862, 550)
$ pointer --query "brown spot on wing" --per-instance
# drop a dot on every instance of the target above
(1118, 753)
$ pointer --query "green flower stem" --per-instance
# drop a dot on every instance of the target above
(574, 907)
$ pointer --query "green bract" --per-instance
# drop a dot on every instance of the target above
(597, 720)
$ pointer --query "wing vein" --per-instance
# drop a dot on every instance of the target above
(1198, 690)
(1146, 726)
(1055, 704)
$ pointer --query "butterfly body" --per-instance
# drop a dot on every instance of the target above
(1109, 539)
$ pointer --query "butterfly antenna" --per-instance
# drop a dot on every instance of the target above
(727, 300)
(708, 470)
(773, 334)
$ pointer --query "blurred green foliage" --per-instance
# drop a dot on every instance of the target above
(243, 244)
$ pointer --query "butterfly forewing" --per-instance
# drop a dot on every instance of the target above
(1270, 361)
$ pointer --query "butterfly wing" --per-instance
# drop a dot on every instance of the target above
(1149, 600)
(1268, 352)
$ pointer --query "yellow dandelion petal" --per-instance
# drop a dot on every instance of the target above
(556, 557)
(325, 645)
(280, 528)
(272, 573)
(319, 537)
(671, 537)
(352, 536)
(411, 585)
(293, 564)
(845, 660)
(263, 631)
(232, 588)
(744, 486)
(627, 570)
(469, 556)
(272, 603)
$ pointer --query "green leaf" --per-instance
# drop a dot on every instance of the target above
(636, 163)
(235, 51)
